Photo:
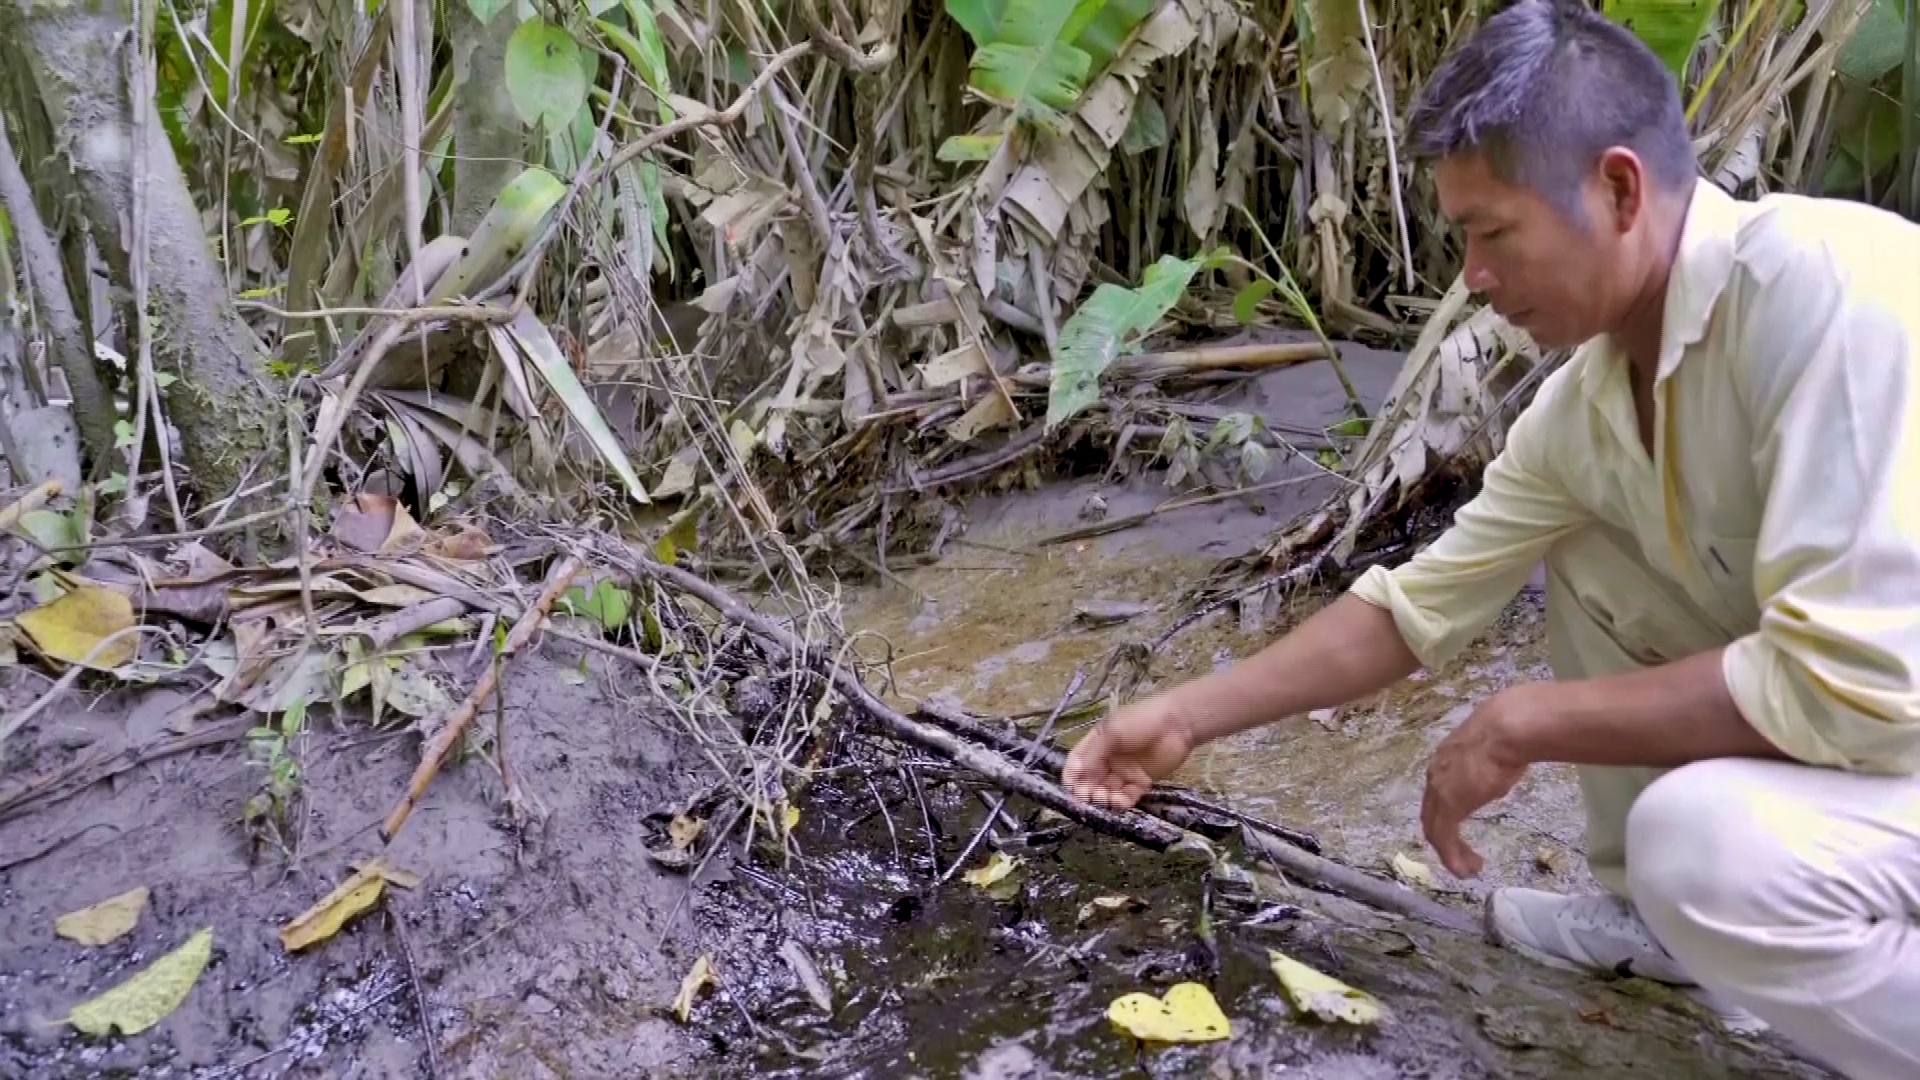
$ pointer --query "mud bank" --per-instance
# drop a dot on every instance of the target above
(535, 952)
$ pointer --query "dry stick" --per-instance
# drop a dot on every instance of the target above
(18, 800)
(456, 724)
(1163, 800)
(1136, 827)
(1325, 875)
(31, 501)
(1100, 528)
(419, 992)
(1221, 356)
(387, 629)
(1393, 158)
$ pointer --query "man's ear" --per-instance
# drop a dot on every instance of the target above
(1623, 187)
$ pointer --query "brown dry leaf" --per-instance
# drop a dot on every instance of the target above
(71, 626)
(363, 521)
(470, 544)
(149, 997)
(399, 596)
(349, 898)
(989, 412)
(698, 978)
(108, 920)
(405, 535)
(194, 562)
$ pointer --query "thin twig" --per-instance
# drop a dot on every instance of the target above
(1036, 748)
(1393, 157)
(456, 723)
(420, 1006)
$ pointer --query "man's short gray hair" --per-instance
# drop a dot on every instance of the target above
(1543, 89)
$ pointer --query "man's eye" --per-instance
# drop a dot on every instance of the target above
(1489, 235)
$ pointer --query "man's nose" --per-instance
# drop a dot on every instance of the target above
(1479, 276)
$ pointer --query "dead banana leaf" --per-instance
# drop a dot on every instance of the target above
(69, 628)
(109, 920)
(349, 898)
(149, 997)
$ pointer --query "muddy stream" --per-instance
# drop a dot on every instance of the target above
(554, 952)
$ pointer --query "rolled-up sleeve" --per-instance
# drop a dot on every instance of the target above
(1452, 590)
(1832, 674)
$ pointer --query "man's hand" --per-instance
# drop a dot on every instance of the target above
(1121, 758)
(1474, 765)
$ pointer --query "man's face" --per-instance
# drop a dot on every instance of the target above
(1557, 279)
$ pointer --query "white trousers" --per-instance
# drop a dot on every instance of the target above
(1790, 890)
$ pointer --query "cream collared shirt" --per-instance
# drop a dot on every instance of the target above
(1783, 497)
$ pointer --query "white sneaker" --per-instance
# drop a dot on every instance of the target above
(1580, 933)
(1597, 933)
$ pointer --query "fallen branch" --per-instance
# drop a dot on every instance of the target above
(1139, 828)
(1325, 875)
(1160, 801)
(456, 724)
(1216, 357)
(1101, 528)
(95, 766)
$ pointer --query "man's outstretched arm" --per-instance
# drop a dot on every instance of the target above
(1346, 650)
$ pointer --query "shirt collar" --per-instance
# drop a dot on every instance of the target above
(1702, 266)
(1701, 269)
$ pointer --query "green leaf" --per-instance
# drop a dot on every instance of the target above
(1246, 302)
(544, 74)
(969, 147)
(1029, 66)
(979, 18)
(608, 604)
(485, 10)
(150, 996)
(1109, 29)
(1877, 44)
(122, 433)
(1671, 28)
(652, 47)
(683, 532)
(1094, 335)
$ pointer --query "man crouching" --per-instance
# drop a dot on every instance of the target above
(1724, 484)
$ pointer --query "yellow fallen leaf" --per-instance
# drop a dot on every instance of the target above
(396, 877)
(791, 817)
(996, 868)
(1413, 872)
(149, 997)
(684, 830)
(72, 625)
(108, 920)
(699, 977)
(1099, 904)
(1323, 996)
(1187, 1014)
(349, 898)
